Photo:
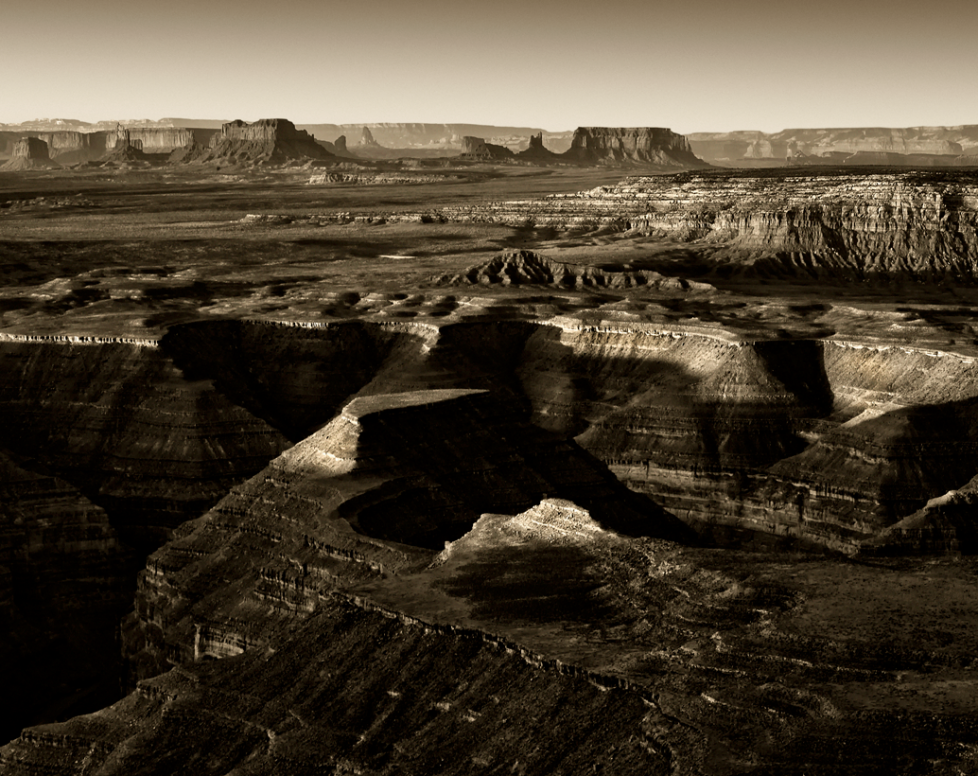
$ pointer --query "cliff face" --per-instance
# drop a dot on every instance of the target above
(414, 467)
(354, 686)
(122, 424)
(643, 145)
(849, 226)
(67, 147)
(478, 148)
(29, 153)
(154, 140)
(64, 582)
(268, 141)
(827, 443)
(486, 657)
(316, 614)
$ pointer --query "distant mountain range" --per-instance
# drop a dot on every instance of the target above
(911, 146)
(420, 136)
(918, 146)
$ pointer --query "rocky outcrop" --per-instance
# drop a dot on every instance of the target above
(29, 153)
(523, 267)
(666, 659)
(477, 149)
(367, 139)
(355, 684)
(824, 443)
(536, 152)
(945, 525)
(413, 468)
(642, 145)
(267, 141)
(125, 152)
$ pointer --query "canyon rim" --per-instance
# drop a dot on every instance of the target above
(431, 448)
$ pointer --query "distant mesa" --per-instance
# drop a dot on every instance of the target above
(279, 142)
(69, 147)
(635, 145)
(477, 149)
(267, 141)
(30, 153)
(597, 146)
(152, 140)
(518, 266)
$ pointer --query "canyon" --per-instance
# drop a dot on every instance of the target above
(534, 470)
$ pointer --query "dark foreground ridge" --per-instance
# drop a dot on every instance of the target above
(636, 478)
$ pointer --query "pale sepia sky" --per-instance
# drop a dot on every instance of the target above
(692, 65)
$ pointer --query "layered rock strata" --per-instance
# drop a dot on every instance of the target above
(30, 153)
(124, 425)
(523, 267)
(69, 147)
(477, 149)
(666, 659)
(392, 470)
(853, 227)
(153, 140)
(359, 689)
(637, 145)
(267, 141)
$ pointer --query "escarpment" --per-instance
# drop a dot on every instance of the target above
(694, 669)
(847, 227)
(154, 140)
(357, 687)
(821, 442)
(909, 147)
(444, 541)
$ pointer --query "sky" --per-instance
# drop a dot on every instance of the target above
(690, 65)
